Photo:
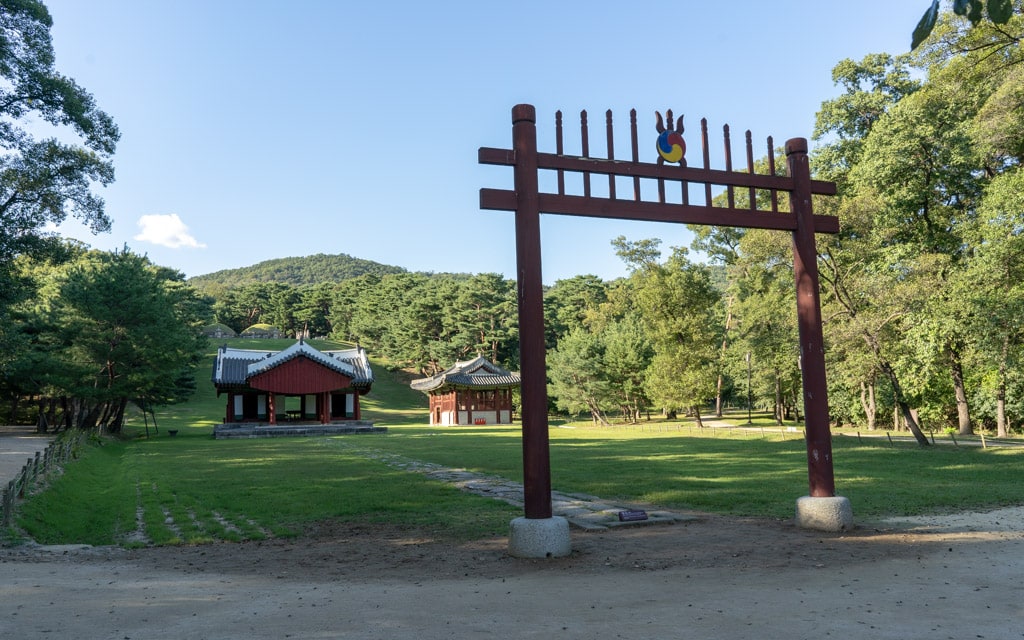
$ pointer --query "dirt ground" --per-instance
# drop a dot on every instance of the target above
(711, 577)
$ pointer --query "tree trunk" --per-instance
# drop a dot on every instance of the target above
(117, 418)
(963, 413)
(595, 413)
(718, 393)
(778, 399)
(88, 416)
(867, 402)
(13, 416)
(51, 414)
(696, 416)
(725, 342)
(897, 391)
(1001, 427)
(67, 413)
(904, 408)
(41, 423)
(1001, 430)
(104, 414)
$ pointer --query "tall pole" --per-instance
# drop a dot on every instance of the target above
(808, 306)
(748, 389)
(530, 292)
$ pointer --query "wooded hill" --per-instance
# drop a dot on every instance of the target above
(296, 271)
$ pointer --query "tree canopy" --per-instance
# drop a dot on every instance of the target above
(998, 12)
(105, 329)
(314, 269)
(45, 180)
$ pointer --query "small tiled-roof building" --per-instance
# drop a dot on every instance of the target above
(298, 383)
(472, 392)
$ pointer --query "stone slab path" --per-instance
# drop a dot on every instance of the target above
(585, 512)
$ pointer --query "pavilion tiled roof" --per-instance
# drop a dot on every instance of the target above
(233, 367)
(478, 373)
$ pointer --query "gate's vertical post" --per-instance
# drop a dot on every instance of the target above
(821, 509)
(538, 534)
(536, 461)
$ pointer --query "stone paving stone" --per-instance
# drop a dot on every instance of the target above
(583, 511)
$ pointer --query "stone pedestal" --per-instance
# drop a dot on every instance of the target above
(539, 538)
(824, 514)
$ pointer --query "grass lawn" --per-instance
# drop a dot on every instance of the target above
(242, 489)
(736, 472)
(247, 489)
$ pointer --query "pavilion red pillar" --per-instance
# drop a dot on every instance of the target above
(229, 413)
(271, 408)
(355, 406)
(808, 307)
(530, 292)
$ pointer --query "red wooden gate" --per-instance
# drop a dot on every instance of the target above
(529, 202)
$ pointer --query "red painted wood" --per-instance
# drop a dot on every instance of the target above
(527, 202)
(530, 290)
(812, 349)
(300, 376)
(505, 200)
(489, 155)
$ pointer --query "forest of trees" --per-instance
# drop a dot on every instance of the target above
(104, 329)
(82, 333)
(295, 271)
(922, 290)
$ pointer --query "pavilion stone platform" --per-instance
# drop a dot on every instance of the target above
(266, 430)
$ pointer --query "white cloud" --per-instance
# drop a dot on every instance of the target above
(168, 231)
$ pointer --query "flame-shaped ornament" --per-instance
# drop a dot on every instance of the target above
(671, 146)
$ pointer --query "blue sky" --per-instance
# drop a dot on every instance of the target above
(254, 130)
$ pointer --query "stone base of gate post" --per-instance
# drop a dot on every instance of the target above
(539, 538)
(824, 514)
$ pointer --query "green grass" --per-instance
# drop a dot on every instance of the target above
(193, 489)
(392, 402)
(736, 472)
(243, 489)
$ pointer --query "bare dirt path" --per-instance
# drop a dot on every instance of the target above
(710, 577)
(17, 445)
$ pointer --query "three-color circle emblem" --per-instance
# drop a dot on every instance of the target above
(671, 146)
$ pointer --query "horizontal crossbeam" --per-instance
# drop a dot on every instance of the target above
(507, 157)
(505, 200)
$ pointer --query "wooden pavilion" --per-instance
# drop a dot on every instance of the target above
(299, 383)
(472, 392)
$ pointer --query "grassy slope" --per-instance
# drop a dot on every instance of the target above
(233, 489)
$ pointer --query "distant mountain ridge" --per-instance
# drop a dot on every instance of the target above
(296, 271)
